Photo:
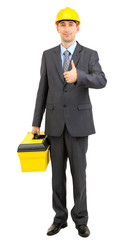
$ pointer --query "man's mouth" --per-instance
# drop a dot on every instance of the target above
(67, 34)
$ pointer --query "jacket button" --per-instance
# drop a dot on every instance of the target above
(64, 105)
(65, 90)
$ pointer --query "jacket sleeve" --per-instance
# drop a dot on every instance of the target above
(41, 95)
(95, 78)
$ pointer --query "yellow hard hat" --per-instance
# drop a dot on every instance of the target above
(67, 14)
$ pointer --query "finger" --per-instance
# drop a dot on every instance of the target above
(32, 131)
(65, 73)
(67, 77)
(38, 132)
(68, 80)
(72, 64)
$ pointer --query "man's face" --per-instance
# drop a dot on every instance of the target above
(67, 30)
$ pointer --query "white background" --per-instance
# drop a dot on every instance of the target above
(26, 29)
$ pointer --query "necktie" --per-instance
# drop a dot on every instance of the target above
(67, 61)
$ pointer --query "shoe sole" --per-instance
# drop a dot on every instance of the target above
(84, 235)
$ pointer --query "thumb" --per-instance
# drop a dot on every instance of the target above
(72, 64)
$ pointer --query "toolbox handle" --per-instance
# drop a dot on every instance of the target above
(35, 136)
(38, 137)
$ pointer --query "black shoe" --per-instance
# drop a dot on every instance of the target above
(55, 228)
(83, 230)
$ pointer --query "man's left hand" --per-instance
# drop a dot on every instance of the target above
(71, 76)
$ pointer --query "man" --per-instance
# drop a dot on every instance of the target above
(67, 72)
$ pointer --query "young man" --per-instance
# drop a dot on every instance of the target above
(67, 73)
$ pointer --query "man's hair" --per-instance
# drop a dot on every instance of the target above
(68, 20)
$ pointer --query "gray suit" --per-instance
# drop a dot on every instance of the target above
(68, 123)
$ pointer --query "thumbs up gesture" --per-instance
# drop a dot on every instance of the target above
(71, 76)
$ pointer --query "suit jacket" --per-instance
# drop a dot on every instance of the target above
(68, 103)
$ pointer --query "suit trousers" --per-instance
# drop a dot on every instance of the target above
(72, 148)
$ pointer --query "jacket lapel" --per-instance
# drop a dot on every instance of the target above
(76, 56)
(58, 61)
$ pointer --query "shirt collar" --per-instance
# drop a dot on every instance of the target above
(70, 49)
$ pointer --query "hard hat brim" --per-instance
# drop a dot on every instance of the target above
(76, 21)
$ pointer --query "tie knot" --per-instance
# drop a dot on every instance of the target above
(66, 53)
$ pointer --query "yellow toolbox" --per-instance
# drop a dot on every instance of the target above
(34, 153)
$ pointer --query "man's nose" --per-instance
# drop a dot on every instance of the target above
(66, 29)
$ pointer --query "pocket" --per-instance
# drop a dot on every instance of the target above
(84, 106)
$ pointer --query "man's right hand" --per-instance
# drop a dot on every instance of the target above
(36, 129)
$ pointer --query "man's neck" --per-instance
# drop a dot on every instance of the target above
(67, 44)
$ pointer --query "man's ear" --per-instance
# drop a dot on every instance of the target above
(78, 28)
(57, 28)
